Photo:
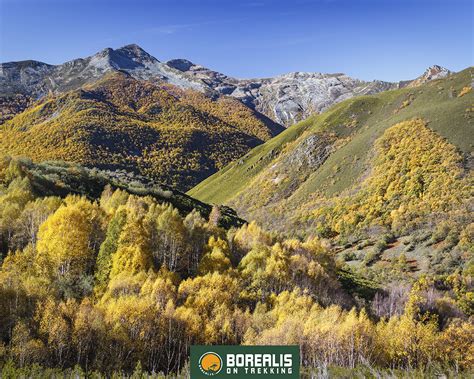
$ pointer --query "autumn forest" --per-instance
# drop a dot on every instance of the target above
(149, 206)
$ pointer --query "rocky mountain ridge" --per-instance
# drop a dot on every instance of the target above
(294, 96)
(286, 98)
(38, 79)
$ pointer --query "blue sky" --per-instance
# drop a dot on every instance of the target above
(368, 39)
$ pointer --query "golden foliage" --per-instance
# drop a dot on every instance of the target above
(177, 137)
(125, 280)
(416, 173)
(465, 91)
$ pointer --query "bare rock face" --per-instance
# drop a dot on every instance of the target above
(292, 97)
(431, 73)
(36, 79)
(26, 77)
(288, 98)
(311, 153)
(285, 99)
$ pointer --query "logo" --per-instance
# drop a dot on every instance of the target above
(210, 363)
(245, 362)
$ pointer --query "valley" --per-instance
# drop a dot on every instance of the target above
(149, 206)
(292, 182)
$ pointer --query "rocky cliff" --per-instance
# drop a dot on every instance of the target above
(286, 98)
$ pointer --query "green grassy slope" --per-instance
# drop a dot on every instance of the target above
(222, 186)
(360, 121)
(329, 177)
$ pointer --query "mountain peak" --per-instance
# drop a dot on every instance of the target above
(435, 72)
(180, 64)
(131, 46)
(135, 53)
(132, 49)
(431, 73)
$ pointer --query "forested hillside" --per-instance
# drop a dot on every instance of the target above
(257, 189)
(386, 178)
(362, 252)
(177, 137)
(126, 283)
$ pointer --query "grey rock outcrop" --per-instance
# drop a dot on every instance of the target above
(37, 79)
(292, 97)
(285, 99)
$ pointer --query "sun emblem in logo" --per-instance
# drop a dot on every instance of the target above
(210, 363)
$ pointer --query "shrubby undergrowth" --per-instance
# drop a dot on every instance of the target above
(127, 283)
